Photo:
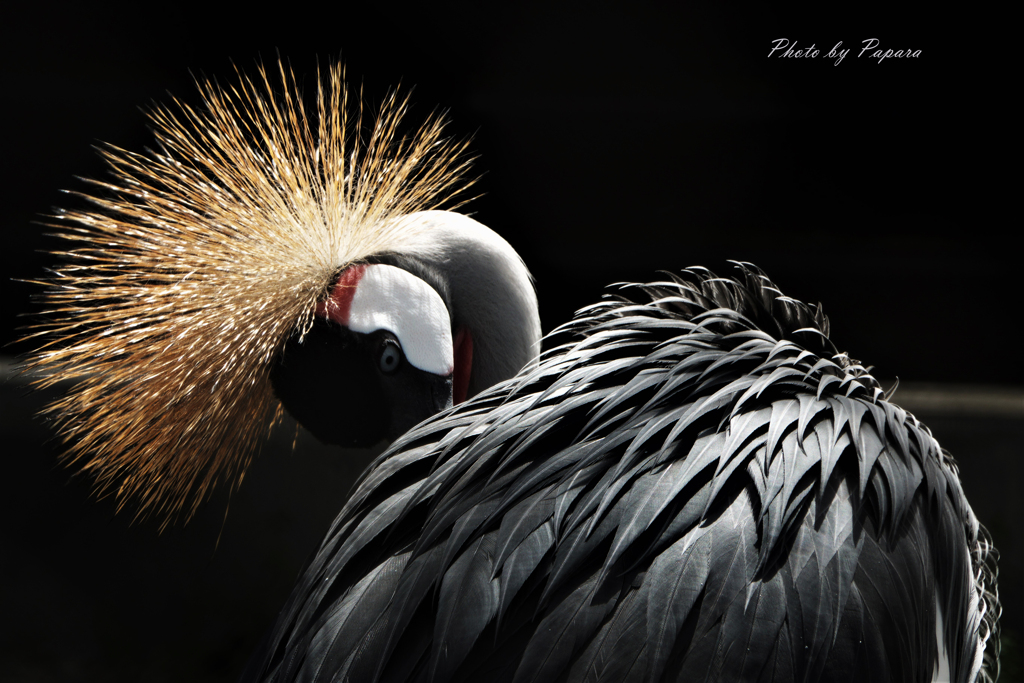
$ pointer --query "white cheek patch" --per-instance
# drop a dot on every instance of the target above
(392, 299)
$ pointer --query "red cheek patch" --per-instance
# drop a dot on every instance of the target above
(339, 302)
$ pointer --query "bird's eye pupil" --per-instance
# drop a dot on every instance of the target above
(390, 357)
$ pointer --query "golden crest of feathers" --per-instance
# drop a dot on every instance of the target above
(202, 258)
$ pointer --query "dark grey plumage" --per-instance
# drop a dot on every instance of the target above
(696, 486)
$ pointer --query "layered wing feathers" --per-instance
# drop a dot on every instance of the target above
(696, 486)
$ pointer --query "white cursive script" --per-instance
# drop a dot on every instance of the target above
(784, 48)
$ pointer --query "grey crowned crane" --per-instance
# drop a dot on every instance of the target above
(694, 485)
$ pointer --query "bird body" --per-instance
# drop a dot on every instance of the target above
(697, 486)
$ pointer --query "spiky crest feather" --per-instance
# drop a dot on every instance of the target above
(201, 258)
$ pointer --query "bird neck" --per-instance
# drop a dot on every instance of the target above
(488, 289)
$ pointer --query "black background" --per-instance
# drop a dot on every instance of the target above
(613, 142)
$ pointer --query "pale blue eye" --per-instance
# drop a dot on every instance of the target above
(390, 357)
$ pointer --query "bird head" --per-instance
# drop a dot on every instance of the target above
(378, 359)
(266, 258)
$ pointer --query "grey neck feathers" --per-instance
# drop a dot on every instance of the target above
(490, 291)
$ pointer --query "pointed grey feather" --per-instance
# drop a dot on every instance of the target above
(673, 583)
(521, 564)
(467, 602)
